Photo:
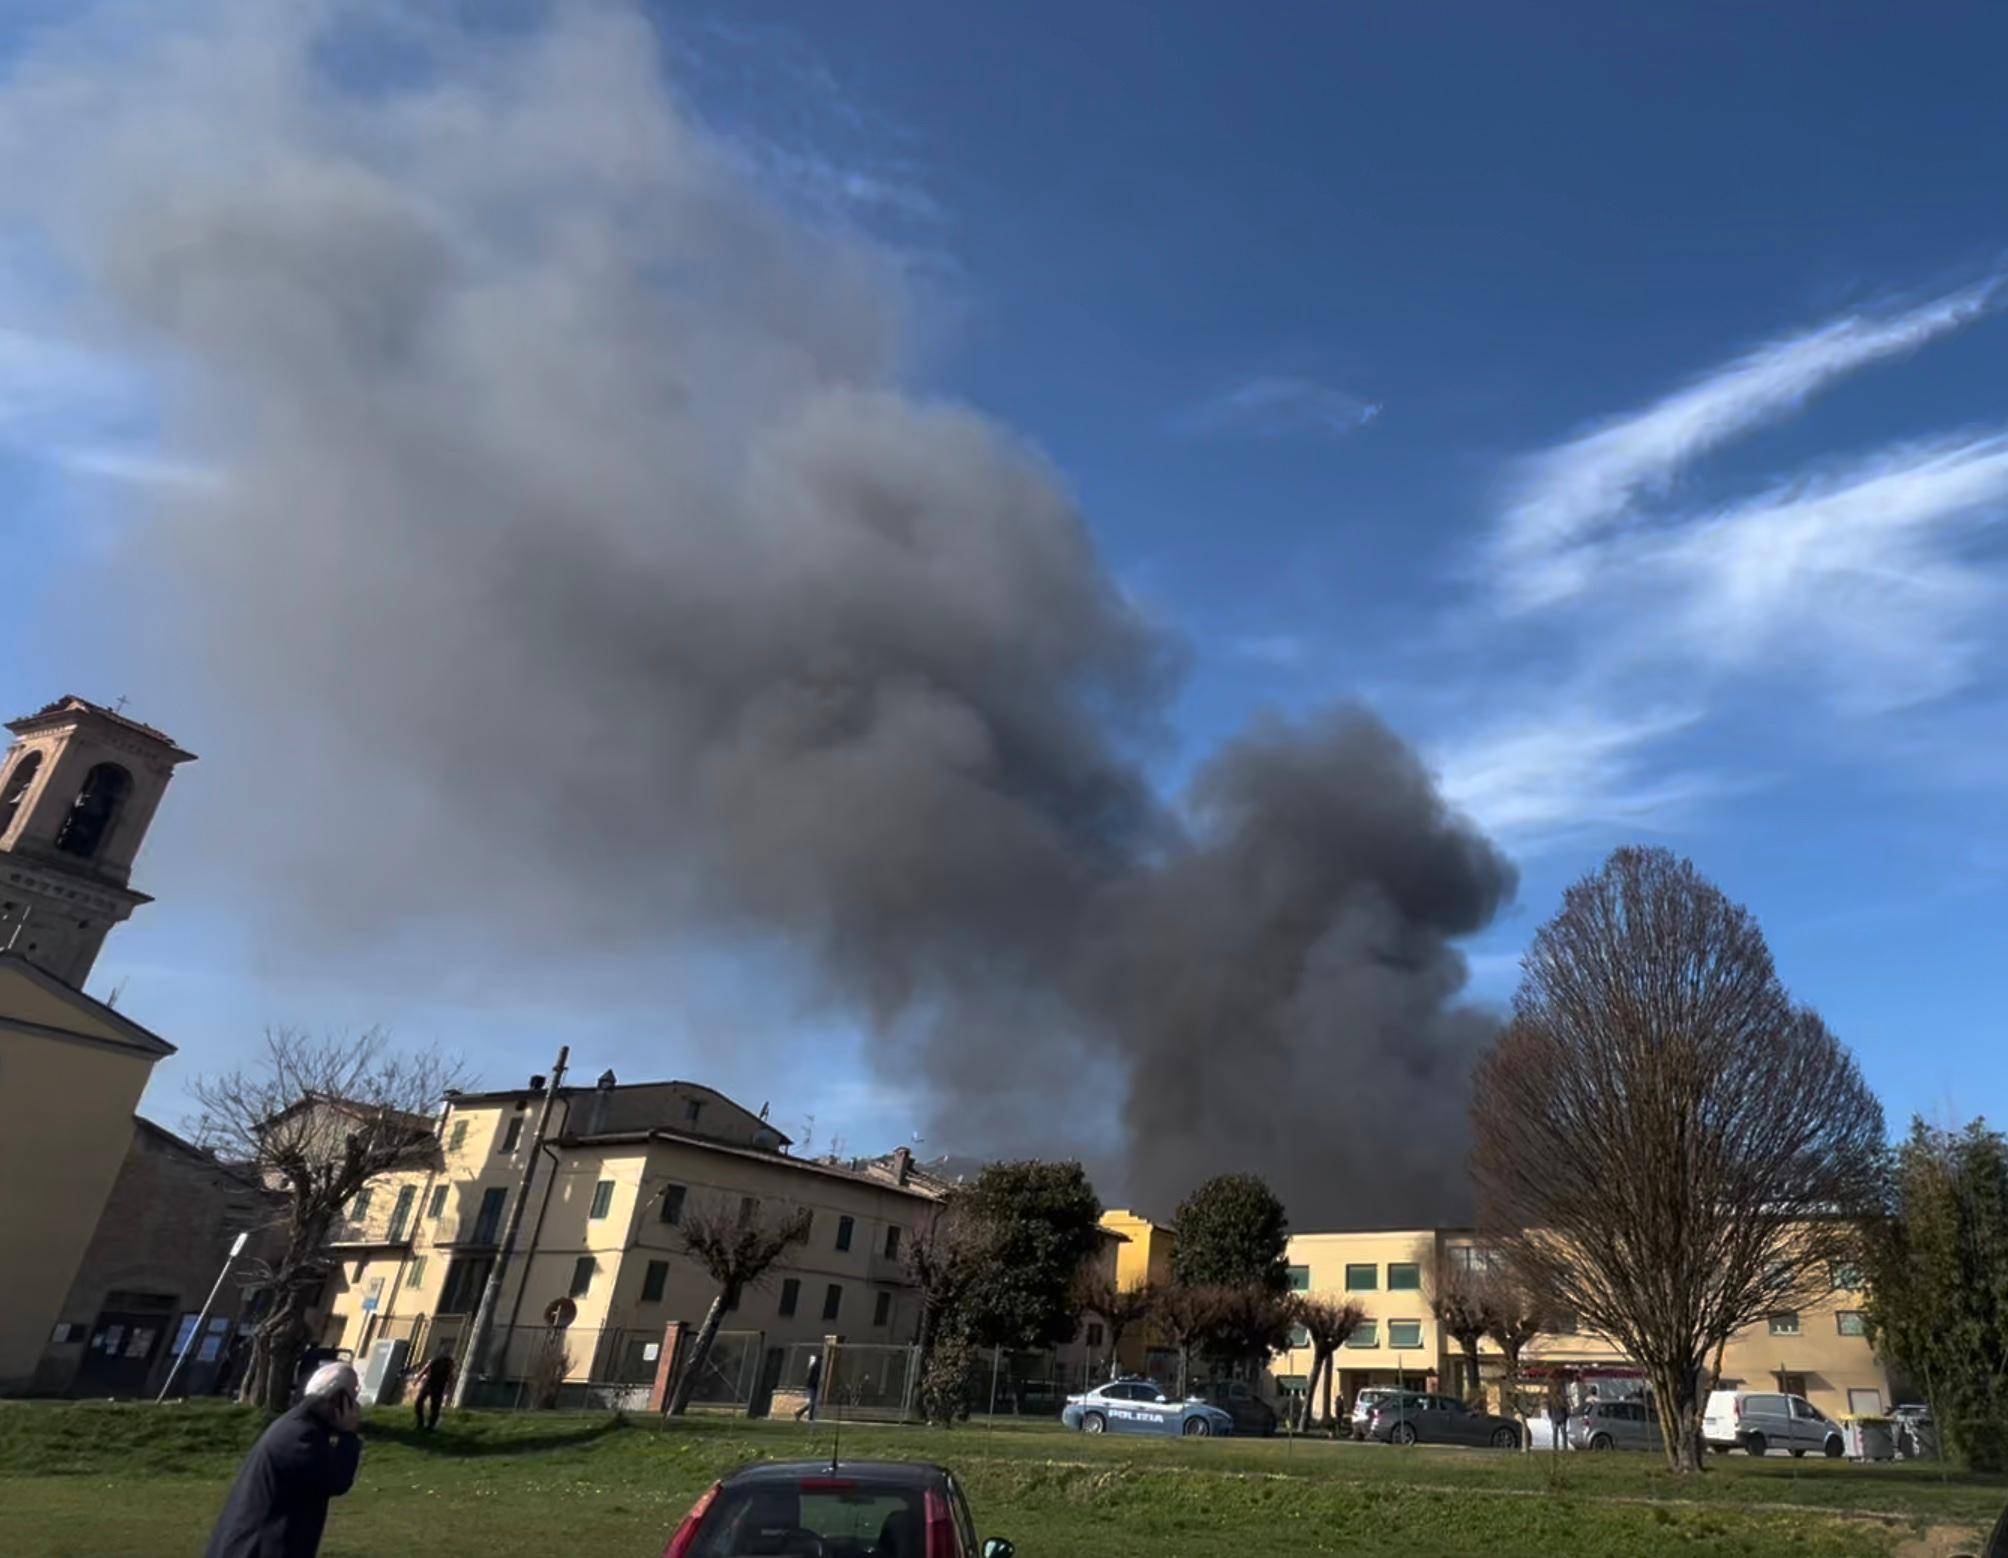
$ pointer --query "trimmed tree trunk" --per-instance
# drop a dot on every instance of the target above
(700, 1353)
(1676, 1393)
(1325, 1412)
(1473, 1384)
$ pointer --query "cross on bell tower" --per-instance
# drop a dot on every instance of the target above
(78, 788)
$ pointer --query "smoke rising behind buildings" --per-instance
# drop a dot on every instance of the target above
(570, 512)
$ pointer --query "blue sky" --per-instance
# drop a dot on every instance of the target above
(1610, 396)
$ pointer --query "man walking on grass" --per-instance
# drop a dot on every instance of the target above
(429, 1394)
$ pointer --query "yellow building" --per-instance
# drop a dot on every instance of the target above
(1819, 1352)
(1144, 1256)
(84, 1066)
(599, 1245)
(78, 787)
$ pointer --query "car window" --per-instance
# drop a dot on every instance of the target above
(760, 1518)
(1802, 1409)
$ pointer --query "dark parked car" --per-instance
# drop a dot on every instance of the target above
(1251, 1414)
(820, 1509)
(1412, 1418)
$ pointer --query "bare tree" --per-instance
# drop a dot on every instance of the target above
(1121, 1309)
(1513, 1316)
(1664, 1143)
(738, 1248)
(1454, 1300)
(317, 1119)
(1328, 1322)
(1184, 1317)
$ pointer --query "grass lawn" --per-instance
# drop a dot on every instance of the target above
(98, 1481)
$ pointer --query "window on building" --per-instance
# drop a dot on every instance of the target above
(457, 1137)
(791, 1294)
(692, 1108)
(417, 1277)
(400, 1217)
(1404, 1276)
(672, 1202)
(1365, 1334)
(1299, 1337)
(94, 812)
(653, 1281)
(1362, 1279)
(892, 1242)
(359, 1209)
(881, 1309)
(1849, 1321)
(464, 1281)
(1471, 1260)
(512, 1135)
(1300, 1279)
(488, 1221)
(603, 1199)
(437, 1204)
(15, 791)
(582, 1275)
(1848, 1278)
(1094, 1333)
(833, 1300)
(749, 1208)
(1405, 1334)
(844, 1227)
(1785, 1323)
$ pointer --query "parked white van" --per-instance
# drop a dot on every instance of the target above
(1759, 1421)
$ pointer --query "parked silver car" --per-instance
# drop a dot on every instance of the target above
(1615, 1425)
(1364, 1404)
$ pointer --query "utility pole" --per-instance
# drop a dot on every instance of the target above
(491, 1291)
(209, 1303)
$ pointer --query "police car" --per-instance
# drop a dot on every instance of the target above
(1136, 1406)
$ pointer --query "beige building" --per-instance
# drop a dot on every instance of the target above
(599, 1246)
(1819, 1352)
(78, 787)
(84, 1067)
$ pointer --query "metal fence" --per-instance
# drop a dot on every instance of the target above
(730, 1373)
(862, 1379)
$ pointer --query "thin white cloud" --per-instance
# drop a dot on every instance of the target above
(1275, 405)
(1569, 495)
(1868, 579)
(80, 412)
(1536, 780)
(1282, 650)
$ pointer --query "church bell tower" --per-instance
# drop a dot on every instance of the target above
(78, 788)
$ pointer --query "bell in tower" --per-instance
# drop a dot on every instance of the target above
(78, 789)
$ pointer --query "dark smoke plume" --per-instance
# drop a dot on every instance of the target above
(570, 516)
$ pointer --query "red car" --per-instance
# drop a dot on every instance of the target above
(820, 1509)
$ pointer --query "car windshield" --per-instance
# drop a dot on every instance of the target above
(816, 1518)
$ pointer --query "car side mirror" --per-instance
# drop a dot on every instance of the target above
(997, 1547)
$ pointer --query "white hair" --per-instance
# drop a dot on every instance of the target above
(331, 1377)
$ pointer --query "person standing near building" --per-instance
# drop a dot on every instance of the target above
(814, 1387)
(278, 1506)
(433, 1381)
(1558, 1413)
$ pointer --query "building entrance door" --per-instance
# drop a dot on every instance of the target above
(127, 1338)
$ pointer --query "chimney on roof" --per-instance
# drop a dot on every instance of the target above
(602, 1091)
(537, 1083)
(902, 1164)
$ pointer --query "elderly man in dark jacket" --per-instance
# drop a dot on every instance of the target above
(279, 1503)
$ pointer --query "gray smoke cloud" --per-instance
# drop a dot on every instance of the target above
(573, 522)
